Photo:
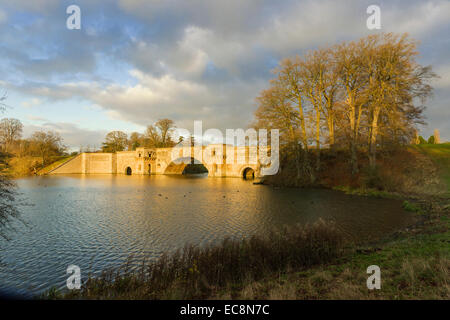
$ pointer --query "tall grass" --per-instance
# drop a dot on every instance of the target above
(200, 272)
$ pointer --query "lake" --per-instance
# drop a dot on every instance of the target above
(98, 221)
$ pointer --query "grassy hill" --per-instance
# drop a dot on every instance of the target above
(25, 166)
(55, 164)
(22, 166)
(440, 155)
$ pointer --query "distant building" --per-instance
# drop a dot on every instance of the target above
(437, 138)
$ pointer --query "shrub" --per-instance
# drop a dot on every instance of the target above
(197, 272)
(408, 206)
(372, 179)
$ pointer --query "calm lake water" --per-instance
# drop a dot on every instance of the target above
(97, 222)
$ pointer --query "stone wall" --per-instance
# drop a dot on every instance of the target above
(145, 161)
(126, 159)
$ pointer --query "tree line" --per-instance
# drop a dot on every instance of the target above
(158, 135)
(358, 96)
(49, 144)
(43, 144)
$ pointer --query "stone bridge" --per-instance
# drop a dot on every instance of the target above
(220, 160)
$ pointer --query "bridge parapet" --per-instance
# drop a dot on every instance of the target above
(221, 160)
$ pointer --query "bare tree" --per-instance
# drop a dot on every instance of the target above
(275, 111)
(395, 80)
(289, 77)
(115, 141)
(350, 65)
(8, 193)
(152, 137)
(8, 206)
(10, 131)
(135, 140)
(166, 127)
(3, 98)
(364, 94)
(159, 135)
(47, 144)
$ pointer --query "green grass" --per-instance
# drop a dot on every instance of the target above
(369, 192)
(440, 155)
(414, 265)
(55, 164)
(408, 206)
(409, 266)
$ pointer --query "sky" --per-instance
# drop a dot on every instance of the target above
(136, 61)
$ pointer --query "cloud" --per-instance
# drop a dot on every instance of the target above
(152, 98)
(311, 23)
(31, 103)
(141, 60)
(36, 45)
(417, 19)
(41, 6)
(443, 81)
(72, 134)
(226, 105)
(3, 16)
(36, 118)
(438, 114)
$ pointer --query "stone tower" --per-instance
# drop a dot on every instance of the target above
(437, 138)
(415, 140)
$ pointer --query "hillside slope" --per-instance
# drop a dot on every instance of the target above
(54, 165)
(440, 155)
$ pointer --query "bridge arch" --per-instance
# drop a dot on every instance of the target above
(186, 165)
(248, 172)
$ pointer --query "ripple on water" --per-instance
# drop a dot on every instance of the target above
(97, 222)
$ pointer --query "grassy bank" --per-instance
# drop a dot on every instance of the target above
(203, 272)
(27, 165)
(411, 171)
(22, 166)
(440, 155)
(415, 264)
